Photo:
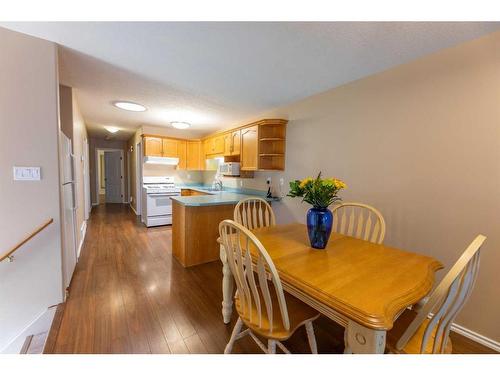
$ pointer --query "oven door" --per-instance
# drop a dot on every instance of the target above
(159, 204)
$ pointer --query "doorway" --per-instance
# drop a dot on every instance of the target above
(138, 178)
(110, 185)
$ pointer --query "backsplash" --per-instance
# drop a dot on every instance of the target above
(181, 177)
(256, 183)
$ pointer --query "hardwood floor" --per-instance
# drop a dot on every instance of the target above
(129, 295)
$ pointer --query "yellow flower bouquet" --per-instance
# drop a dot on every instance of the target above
(318, 192)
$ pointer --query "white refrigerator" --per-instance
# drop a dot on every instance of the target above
(68, 190)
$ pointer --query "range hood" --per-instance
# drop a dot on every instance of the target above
(160, 160)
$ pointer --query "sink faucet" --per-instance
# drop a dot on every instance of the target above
(217, 184)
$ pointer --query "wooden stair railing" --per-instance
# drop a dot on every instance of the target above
(8, 255)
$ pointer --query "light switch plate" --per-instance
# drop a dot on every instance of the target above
(27, 173)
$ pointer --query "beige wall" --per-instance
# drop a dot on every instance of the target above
(97, 143)
(66, 110)
(29, 128)
(421, 142)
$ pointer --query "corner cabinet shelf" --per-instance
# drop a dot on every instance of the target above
(272, 141)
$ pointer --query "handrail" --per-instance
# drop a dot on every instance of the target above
(8, 254)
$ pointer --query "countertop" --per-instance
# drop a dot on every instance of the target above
(226, 196)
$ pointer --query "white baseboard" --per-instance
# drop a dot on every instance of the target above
(83, 232)
(133, 209)
(95, 204)
(474, 336)
(40, 324)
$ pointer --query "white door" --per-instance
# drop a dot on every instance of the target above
(113, 176)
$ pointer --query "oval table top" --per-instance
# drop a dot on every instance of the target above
(366, 282)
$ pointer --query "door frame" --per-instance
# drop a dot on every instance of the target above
(138, 178)
(86, 179)
(122, 170)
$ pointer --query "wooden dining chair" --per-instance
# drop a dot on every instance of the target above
(427, 331)
(254, 213)
(260, 301)
(359, 220)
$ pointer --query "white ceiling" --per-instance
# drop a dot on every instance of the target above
(216, 75)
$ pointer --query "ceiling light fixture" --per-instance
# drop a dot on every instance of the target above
(129, 106)
(180, 125)
(111, 129)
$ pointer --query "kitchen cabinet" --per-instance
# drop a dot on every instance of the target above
(219, 144)
(232, 142)
(215, 145)
(236, 142)
(249, 148)
(153, 146)
(182, 154)
(170, 147)
(191, 192)
(195, 156)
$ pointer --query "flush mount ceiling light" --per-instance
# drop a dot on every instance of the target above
(111, 129)
(180, 125)
(129, 106)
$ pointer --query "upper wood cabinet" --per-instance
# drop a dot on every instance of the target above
(236, 142)
(219, 144)
(257, 146)
(153, 146)
(249, 148)
(195, 156)
(182, 154)
(170, 148)
(232, 143)
(215, 145)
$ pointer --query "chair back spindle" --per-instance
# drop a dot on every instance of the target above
(359, 220)
(254, 213)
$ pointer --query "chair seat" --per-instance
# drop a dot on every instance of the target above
(413, 345)
(298, 312)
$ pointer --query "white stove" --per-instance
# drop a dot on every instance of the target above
(157, 205)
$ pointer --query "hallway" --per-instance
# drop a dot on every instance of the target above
(128, 295)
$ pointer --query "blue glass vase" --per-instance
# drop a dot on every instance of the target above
(319, 226)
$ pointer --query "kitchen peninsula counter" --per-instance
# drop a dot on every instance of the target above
(195, 222)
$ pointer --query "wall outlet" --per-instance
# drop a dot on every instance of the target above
(189, 176)
(241, 183)
(268, 180)
(282, 181)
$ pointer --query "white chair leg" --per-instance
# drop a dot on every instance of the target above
(234, 334)
(347, 348)
(271, 346)
(311, 337)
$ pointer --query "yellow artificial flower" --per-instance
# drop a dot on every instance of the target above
(304, 182)
(339, 184)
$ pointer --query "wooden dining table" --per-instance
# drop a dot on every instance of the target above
(361, 285)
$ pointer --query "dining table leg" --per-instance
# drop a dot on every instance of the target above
(363, 340)
(227, 287)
